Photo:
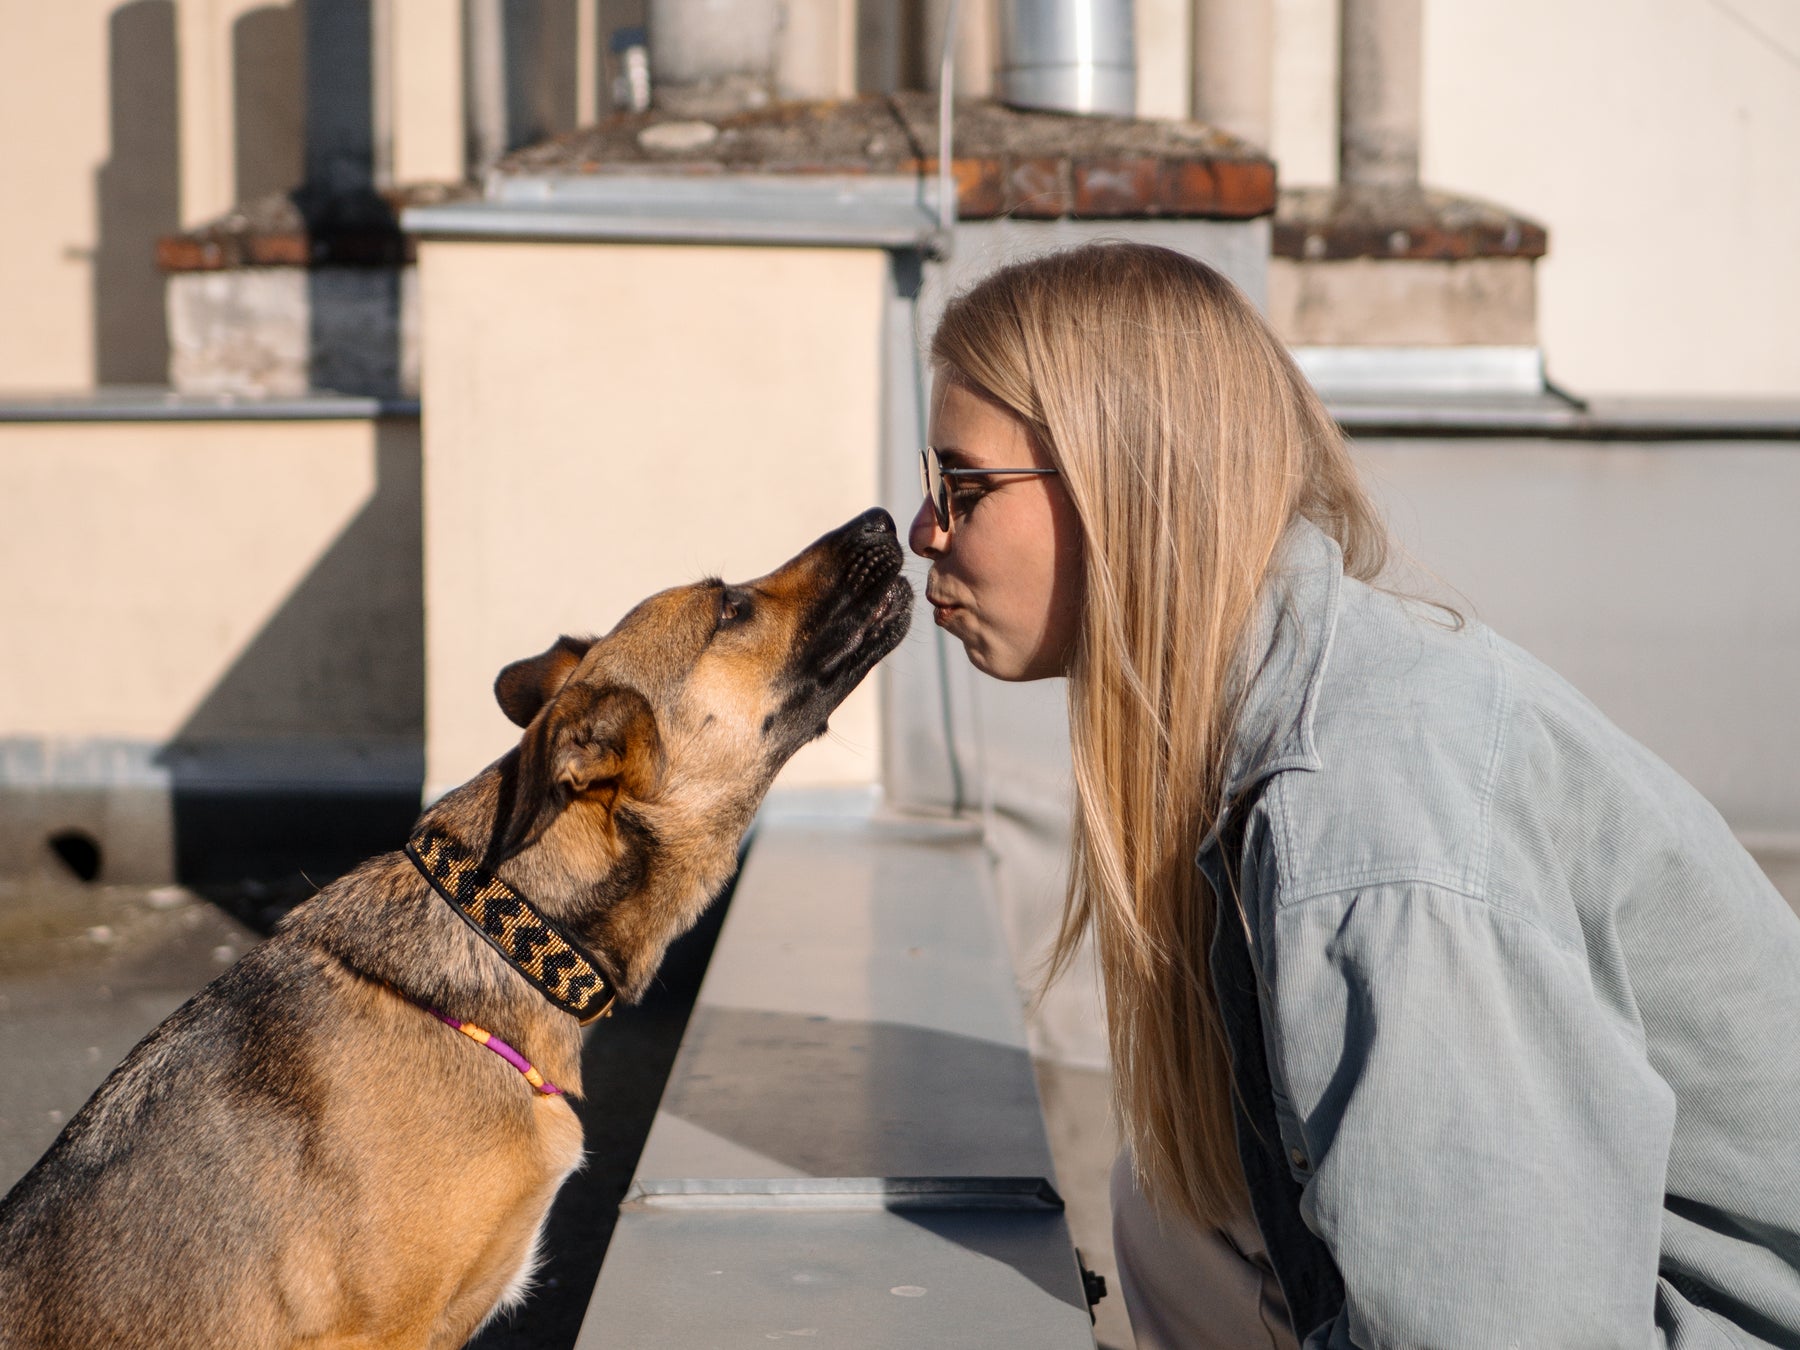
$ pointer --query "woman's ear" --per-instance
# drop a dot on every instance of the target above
(524, 687)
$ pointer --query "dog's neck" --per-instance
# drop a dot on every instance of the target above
(624, 899)
(624, 885)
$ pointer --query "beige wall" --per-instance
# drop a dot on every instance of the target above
(1658, 145)
(242, 105)
(1303, 118)
(120, 122)
(123, 120)
(604, 421)
(52, 76)
(1654, 143)
(212, 579)
(425, 59)
(1165, 73)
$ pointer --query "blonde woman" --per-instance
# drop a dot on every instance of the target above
(1441, 1013)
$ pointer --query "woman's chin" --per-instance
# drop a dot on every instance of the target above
(980, 654)
(996, 661)
(996, 665)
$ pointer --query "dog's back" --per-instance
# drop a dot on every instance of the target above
(204, 1113)
(249, 1158)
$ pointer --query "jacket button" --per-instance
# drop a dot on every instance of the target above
(1298, 1159)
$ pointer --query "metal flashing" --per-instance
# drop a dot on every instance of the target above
(821, 211)
(890, 1193)
(1461, 371)
(308, 763)
(1548, 416)
(152, 403)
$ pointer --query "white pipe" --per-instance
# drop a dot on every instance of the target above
(946, 124)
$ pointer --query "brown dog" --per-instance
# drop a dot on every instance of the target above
(304, 1153)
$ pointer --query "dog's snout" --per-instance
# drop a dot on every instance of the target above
(873, 521)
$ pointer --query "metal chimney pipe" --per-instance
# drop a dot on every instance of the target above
(1068, 56)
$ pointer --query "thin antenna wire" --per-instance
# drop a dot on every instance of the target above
(946, 214)
(946, 121)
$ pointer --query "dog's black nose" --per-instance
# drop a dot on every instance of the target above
(875, 521)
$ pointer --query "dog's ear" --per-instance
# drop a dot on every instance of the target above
(596, 746)
(524, 687)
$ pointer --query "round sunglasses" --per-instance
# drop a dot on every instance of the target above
(934, 478)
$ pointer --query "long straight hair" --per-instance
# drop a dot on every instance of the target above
(1187, 440)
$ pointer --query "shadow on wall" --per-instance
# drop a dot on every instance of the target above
(267, 68)
(888, 55)
(307, 756)
(138, 196)
(540, 37)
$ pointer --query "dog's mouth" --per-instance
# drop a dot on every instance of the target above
(861, 617)
(877, 634)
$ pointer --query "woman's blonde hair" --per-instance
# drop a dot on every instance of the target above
(1187, 440)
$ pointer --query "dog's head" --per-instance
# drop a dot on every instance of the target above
(675, 722)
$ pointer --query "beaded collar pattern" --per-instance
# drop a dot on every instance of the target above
(553, 961)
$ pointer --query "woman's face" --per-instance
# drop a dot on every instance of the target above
(1006, 577)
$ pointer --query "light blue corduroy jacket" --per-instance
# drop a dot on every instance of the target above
(1531, 1014)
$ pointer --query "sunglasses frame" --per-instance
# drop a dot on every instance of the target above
(940, 497)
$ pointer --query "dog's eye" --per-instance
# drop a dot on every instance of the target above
(734, 608)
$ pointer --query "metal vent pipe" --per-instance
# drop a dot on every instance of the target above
(1068, 56)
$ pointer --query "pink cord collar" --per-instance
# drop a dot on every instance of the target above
(500, 1048)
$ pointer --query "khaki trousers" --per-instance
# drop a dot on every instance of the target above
(1188, 1288)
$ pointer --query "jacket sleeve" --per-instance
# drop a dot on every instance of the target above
(1482, 1142)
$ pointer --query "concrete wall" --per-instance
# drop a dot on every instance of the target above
(604, 421)
(198, 605)
(1373, 302)
(1657, 578)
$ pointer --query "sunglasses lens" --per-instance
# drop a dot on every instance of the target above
(931, 476)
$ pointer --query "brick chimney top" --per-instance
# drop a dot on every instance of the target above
(1006, 162)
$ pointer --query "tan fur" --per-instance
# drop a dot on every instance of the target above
(302, 1157)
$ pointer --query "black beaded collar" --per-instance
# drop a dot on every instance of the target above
(557, 965)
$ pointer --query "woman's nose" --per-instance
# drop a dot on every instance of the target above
(923, 535)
